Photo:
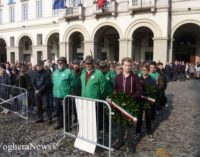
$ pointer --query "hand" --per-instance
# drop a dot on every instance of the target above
(36, 92)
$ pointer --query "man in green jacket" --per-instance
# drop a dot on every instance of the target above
(93, 86)
(92, 80)
(62, 84)
(109, 80)
(109, 84)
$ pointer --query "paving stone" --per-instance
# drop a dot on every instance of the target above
(177, 133)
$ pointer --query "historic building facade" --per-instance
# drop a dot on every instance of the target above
(165, 30)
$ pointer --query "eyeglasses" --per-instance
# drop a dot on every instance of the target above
(60, 63)
(87, 63)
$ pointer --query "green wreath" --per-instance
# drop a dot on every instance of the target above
(126, 102)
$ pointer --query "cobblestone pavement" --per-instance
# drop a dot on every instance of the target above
(177, 130)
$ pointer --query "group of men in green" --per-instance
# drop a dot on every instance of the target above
(99, 84)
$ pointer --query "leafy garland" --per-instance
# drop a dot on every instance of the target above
(127, 103)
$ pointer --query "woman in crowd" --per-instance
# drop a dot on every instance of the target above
(4, 92)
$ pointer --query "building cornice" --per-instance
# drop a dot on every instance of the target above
(160, 38)
(28, 27)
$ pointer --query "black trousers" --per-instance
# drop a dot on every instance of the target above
(42, 100)
(102, 117)
(130, 135)
(68, 112)
(148, 119)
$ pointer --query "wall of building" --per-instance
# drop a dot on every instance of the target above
(124, 18)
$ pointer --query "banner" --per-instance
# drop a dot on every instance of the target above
(58, 4)
(86, 113)
(149, 99)
(122, 110)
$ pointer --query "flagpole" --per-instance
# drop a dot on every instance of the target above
(65, 3)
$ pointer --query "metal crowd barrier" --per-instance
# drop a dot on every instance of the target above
(15, 100)
(89, 121)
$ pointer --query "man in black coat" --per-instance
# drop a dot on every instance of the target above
(40, 84)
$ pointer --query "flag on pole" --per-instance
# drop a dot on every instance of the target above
(100, 4)
(58, 4)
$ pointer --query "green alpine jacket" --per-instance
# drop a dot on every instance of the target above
(109, 84)
(95, 85)
(154, 75)
(62, 83)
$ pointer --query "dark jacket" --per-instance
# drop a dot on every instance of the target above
(41, 81)
(148, 81)
(24, 81)
(162, 80)
(31, 74)
(4, 91)
(133, 89)
(5, 80)
(14, 79)
(168, 69)
(76, 90)
(182, 68)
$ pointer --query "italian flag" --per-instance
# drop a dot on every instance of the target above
(149, 99)
(122, 110)
(100, 4)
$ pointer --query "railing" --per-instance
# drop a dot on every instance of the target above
(137, 5)
(89, 122)
(14, 99)
(142, 3)
(109, 6)
(74, 12)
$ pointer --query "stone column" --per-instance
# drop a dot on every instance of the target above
(8, 53)
(69, 52)
(171, 50)
(90, 48)
(160, 49)
(15, 50)
(34, 54)
(63, 49)
(130, 48)
(45, 54)
(198, 51)
(125, 46)
(35, 49)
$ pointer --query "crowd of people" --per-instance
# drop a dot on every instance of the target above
(48, 83)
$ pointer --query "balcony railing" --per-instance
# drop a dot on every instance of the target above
(108, 8)
(137, 5)
(74, 13)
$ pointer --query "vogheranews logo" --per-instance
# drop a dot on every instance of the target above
(26, 147)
